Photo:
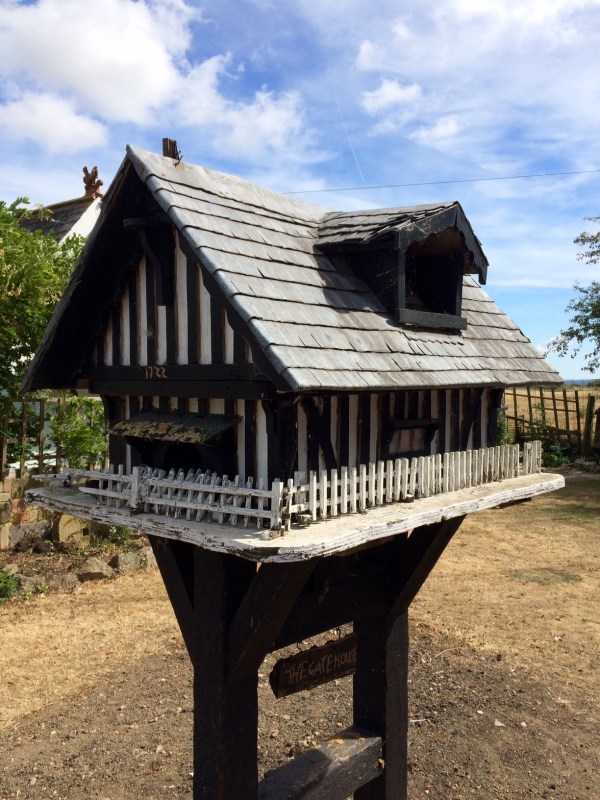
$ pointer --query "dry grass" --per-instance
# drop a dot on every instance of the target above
(524, 582)
(59, 645)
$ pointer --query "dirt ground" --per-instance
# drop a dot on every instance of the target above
(95, 685)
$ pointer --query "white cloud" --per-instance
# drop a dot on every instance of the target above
(370, 57)
(390, 93)
(521, 73)
(131, 61)
(250, 129)
(51, 122)
(437, 134)
(116, 57)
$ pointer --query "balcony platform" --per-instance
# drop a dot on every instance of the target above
(335, 535)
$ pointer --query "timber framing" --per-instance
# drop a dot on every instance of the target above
(179, 380)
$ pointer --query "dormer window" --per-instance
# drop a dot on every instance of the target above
(412, 259)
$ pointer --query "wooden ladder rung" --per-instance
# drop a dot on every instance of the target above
(334, 770)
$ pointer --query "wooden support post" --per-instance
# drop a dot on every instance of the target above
(530, 406)
(41, 434)
(225, 711)
(4, 455)
(567, 414)
(24, 420)
(579, 426)
(231, 614)
(588, 438)
(176, 564)
(381, 700)
(555, 408)
(206, 589)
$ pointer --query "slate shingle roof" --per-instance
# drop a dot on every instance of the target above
(61, 217)
(317, 325)
(320, 328)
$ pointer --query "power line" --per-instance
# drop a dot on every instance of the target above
(439, 183)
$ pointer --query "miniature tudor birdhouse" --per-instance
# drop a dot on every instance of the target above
(270, 368)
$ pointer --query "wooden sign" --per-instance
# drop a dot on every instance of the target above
(313, 667)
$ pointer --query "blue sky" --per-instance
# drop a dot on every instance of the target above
(340, 95)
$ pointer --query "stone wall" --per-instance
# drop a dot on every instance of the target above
(13, 509)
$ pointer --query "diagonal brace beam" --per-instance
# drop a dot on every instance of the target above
(417, 557)
(176, 564)
(262, 613)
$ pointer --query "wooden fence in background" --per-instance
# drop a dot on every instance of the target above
(24, 435)
(566, 416)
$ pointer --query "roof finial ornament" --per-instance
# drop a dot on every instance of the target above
(92, 182)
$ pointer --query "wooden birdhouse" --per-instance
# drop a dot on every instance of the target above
(269, 369)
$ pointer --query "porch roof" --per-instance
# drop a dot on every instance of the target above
(184, 428)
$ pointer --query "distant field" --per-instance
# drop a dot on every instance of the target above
(563, 408)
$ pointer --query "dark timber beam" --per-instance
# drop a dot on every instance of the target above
(381, 700)
(470, 416)
(320, 430)
(234, 390)
(332, 771)
(176, 564)
(177, 372)
(225, 710)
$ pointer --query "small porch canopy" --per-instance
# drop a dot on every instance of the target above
(185, 428)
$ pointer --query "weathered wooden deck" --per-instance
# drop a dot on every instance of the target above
(327, 537)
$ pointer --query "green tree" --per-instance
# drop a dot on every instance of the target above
(584, 327)
(77, 430)
(34, 270)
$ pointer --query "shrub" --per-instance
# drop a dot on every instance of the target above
(9, 586)
(119, 535)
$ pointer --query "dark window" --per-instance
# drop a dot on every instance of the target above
(431, 282)
(430, 279)
(378, 268)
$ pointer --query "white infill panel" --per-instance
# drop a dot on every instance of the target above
(125, 330)
(181, 313)
(204, 323)
(142, 327)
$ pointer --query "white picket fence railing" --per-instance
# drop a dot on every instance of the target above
(195, 495)
(356, 489)
(198, 496)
